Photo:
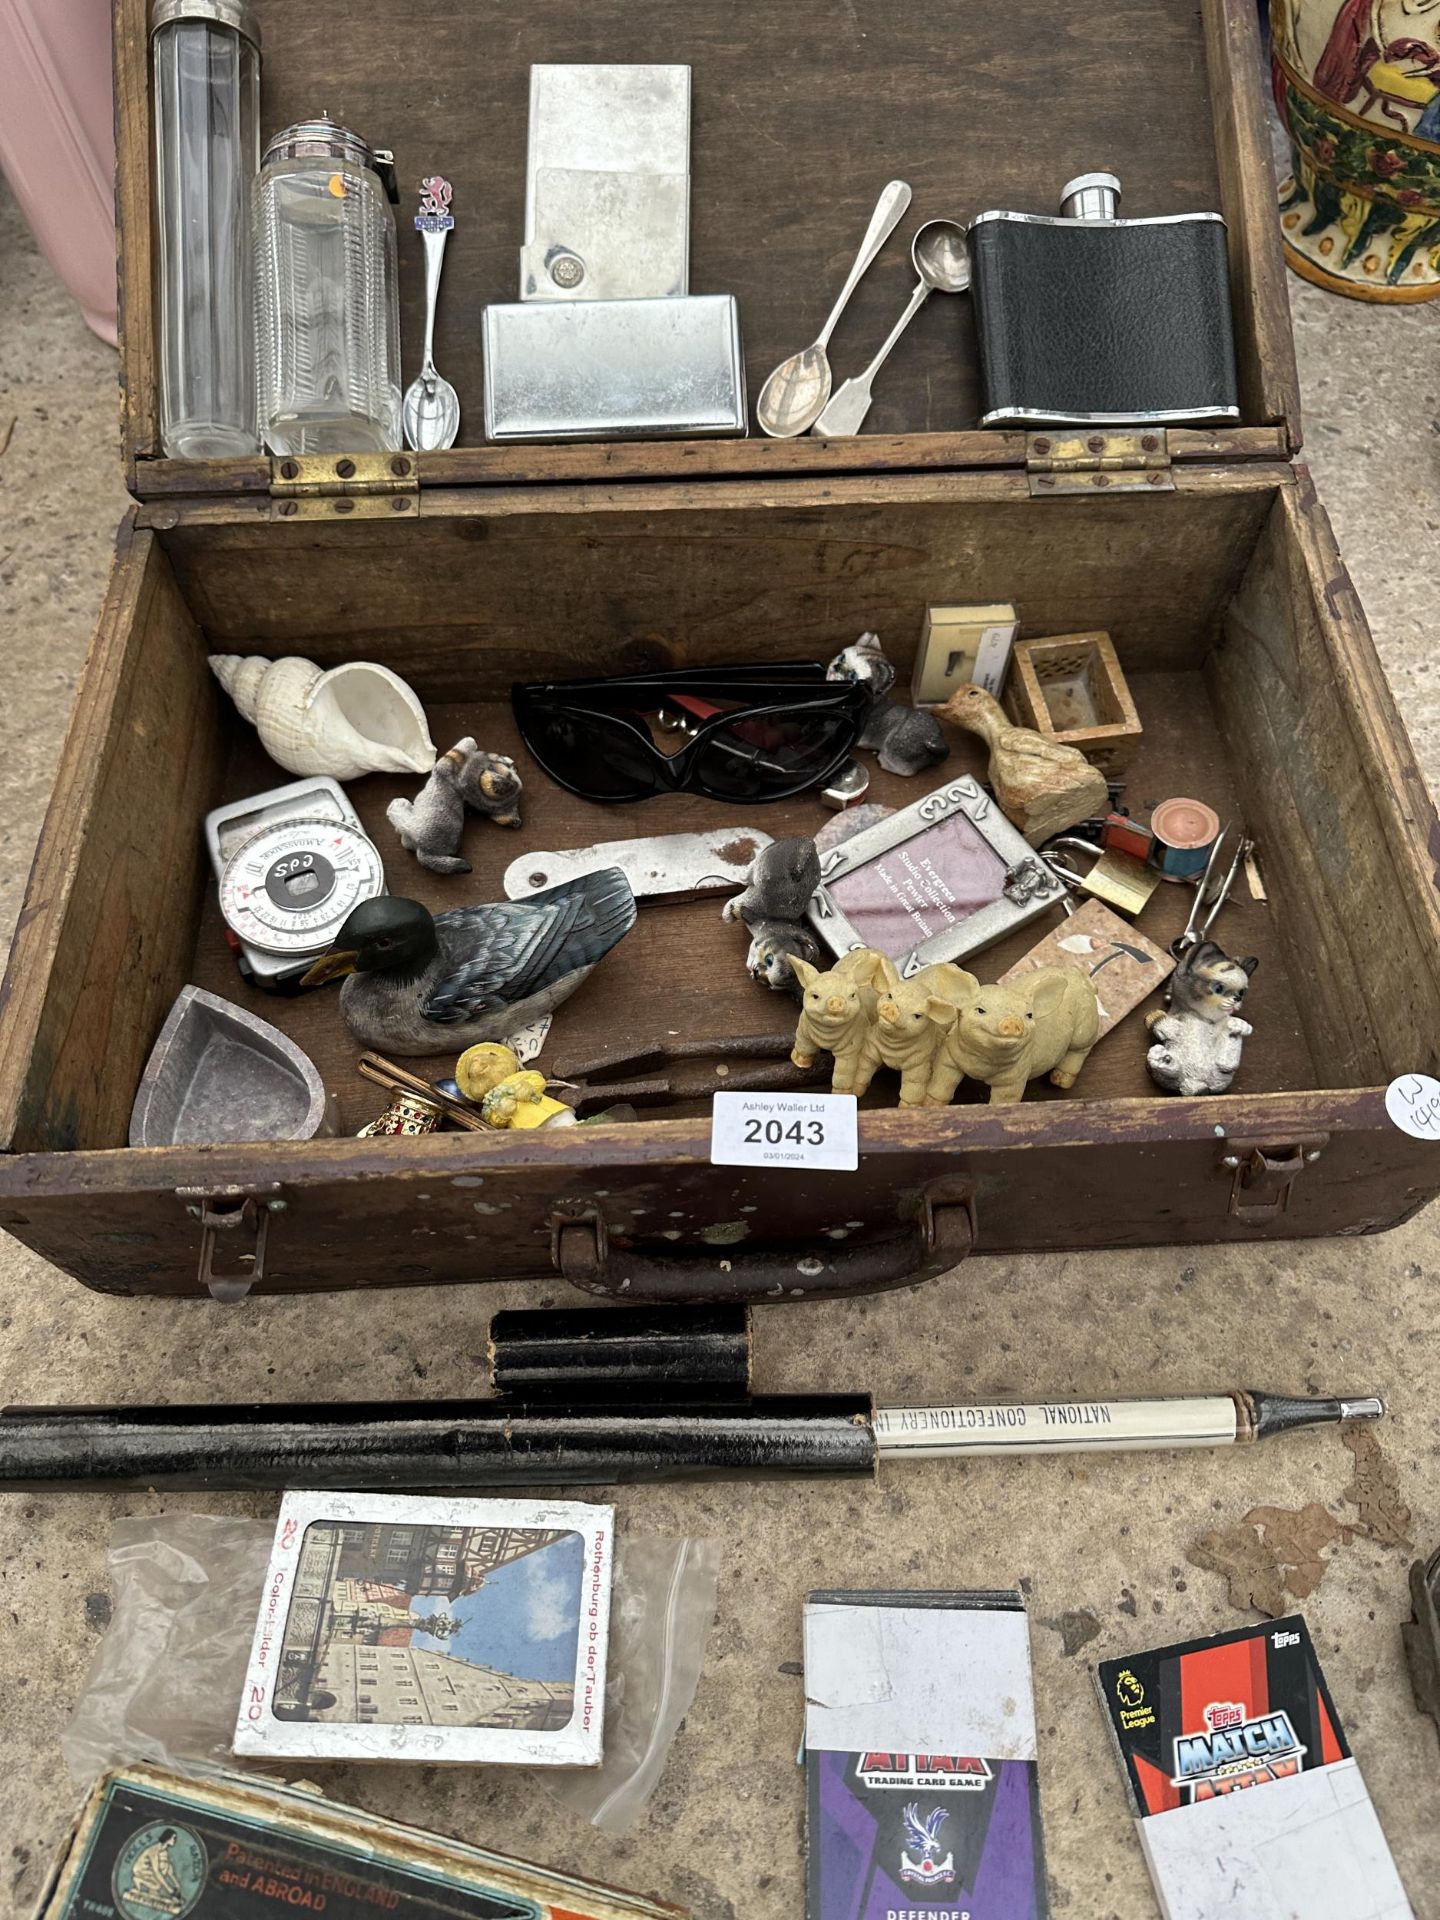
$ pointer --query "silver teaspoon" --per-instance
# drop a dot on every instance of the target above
(431, 412)
(942, 260)
(794, 396)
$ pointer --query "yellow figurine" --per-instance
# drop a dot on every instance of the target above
(521, 1101)
(484, 1066)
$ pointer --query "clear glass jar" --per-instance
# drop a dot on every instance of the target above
(327, 310)
(205, 72)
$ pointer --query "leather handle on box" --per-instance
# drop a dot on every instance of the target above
(939, 1237)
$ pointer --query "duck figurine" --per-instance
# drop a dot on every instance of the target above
(1040, 785)
(419, 984)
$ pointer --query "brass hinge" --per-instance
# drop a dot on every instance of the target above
(355, 486)
(1078, 460)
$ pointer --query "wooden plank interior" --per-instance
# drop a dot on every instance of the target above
(1351, 836)
(530, 585)
(105, 933)
(1264, 344)
(977, 103)
(680, 972)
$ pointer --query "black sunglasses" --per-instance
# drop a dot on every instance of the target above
(782, 728)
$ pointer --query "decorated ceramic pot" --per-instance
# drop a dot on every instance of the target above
(1358, 87)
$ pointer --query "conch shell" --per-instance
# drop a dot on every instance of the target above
(357, 718)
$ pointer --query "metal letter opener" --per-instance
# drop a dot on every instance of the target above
(667, 866)
(606, 341)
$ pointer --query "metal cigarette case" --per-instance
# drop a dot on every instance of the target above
(614, 369)
(606, 340)
(607, 190)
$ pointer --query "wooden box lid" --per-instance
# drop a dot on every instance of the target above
(798, 120)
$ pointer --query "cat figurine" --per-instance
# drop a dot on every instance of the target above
(1200, 1036)
(490, 783)
(905, 740)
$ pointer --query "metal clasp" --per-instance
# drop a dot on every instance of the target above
(232, 1210)
(1262, 1176)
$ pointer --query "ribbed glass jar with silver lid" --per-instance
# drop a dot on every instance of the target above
(327, 311)
(205, 76)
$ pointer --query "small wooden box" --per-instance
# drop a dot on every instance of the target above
(1071, 689)
(1203, 553)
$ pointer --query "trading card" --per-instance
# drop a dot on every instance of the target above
(923, 1794)
(1249, 1799)
(1212, 1716)
(397, 1627)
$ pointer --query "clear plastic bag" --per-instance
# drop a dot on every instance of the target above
(662, 1604)
(166, 1682)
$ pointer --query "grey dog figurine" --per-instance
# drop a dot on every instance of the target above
(782, 878)
(906, 740)
(490, 783)
(772, 945)
(1200, 1035)
(431, 825)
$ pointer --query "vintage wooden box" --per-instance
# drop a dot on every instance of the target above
(1203, 553)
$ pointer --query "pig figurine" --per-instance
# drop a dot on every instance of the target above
(911, 1017)
(835, 1014)
(1199, 1036)
(1044, 1022)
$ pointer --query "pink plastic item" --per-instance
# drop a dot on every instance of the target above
(57, 141)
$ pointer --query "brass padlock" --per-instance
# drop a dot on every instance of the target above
(1119, 879)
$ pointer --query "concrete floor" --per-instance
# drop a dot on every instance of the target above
(1101, 1547)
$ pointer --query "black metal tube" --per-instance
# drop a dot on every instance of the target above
(431, 1445)
(590, 1354)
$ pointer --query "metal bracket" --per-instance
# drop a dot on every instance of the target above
(1087, 461)
(232, 1210)
(355, 486)
(1261, 1176)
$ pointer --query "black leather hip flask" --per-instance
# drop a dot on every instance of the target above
(1083, 317)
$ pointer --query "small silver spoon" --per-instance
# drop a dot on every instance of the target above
(942, 260)
(794, 396)
(431, 412)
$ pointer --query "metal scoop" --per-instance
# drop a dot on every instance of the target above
(942, 260)
(794, 396)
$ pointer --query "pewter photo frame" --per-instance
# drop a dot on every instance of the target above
(939, 880)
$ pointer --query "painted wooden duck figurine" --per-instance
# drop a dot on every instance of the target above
(1041, 785)
(421, 984)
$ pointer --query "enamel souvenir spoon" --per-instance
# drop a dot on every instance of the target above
(431, 411)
